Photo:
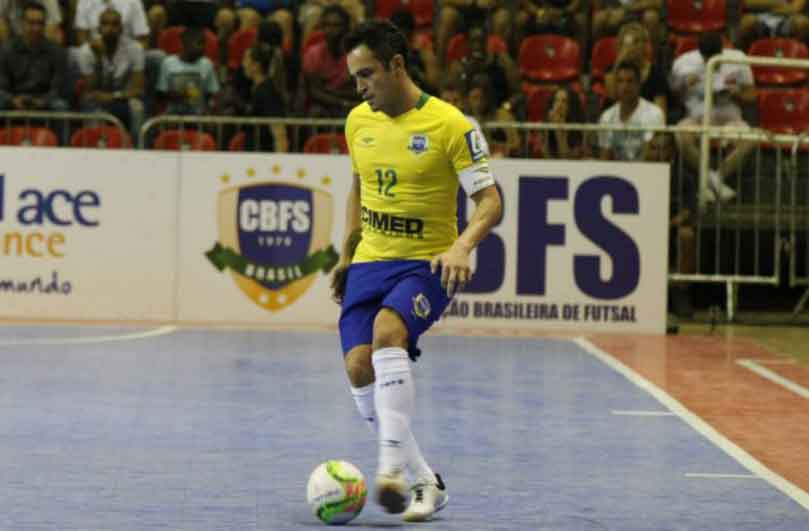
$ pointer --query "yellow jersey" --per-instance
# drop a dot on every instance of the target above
(410, 167)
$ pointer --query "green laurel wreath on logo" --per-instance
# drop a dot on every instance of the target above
(224, 257)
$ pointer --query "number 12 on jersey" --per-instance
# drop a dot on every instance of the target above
(386, 180)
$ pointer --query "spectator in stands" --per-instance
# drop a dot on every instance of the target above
(633, 46)
(188, 82)
(157, 18)
(252, 12)
(112, 69)
(610, 15)
(459, 15)
(422, 64)
(499, 67)
(133, 19)
(564, 107)
(480, 104)
(265, 101)
(733, 86)
(11, 19)
(452, 92)
(565, 17)
(773, 18)
(630, 110)
(310, 14)
(329, 88)
(32, 68)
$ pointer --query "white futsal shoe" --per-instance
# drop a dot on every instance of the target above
(391, 491)
(427, 499)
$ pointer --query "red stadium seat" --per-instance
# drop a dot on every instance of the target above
(103, 136)
(549, 58)
(605, 52)
(781, 48)
(28, 136)
(697, 16)
(784, 111)
(538, 102)
(171, 42)
(237, 142)
(239, 43)
(422, 10)
(685, 43)
(457, 48)
(326, 143)
(185, 140)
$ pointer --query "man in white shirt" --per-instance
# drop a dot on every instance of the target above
(133, 19)
(630, 110)
(733, 85)
(112, 68)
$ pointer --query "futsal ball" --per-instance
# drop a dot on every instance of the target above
(336, 492)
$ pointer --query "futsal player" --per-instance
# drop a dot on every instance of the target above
(402, 257)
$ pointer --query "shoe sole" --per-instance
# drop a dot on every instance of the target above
(390, 494)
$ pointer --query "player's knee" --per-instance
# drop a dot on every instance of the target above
(359, 368)
(389, 330)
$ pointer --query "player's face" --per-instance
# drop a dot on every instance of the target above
(374, 83)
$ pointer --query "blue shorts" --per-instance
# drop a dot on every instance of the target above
(405, 286)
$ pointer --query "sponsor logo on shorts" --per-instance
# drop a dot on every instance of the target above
(421, 306)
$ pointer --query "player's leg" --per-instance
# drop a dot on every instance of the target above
(417, 301)
(361, 376)
(394, 401)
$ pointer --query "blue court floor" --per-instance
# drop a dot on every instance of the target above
(125, 429)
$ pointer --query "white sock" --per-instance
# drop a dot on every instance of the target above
(364, 398)
(394, 400)
(418, 468)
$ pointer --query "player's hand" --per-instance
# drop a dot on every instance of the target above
(338, 282)
(455, 270)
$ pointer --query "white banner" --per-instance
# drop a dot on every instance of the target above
(246, 239)
(581, 246)
(87, 234)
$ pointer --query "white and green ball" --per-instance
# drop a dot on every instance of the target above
(336, 492)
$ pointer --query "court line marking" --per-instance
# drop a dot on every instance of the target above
(155, 332)
(630, 413)
(705, 475)
(774, 377)
(765, 361)
(706, 430)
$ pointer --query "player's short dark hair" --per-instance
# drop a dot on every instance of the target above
(404, 20)
(383, 39)
(631, 67)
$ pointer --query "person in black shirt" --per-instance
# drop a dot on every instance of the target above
(265, 101)
(32, 68)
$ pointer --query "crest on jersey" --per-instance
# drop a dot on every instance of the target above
(418, 144)
(421, 306)
(274, 237)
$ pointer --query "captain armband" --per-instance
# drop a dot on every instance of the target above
(475, 178)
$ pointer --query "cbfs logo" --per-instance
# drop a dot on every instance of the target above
(274, 238)
(39, 217)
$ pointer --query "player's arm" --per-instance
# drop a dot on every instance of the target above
(353, 235)
(455, 269)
